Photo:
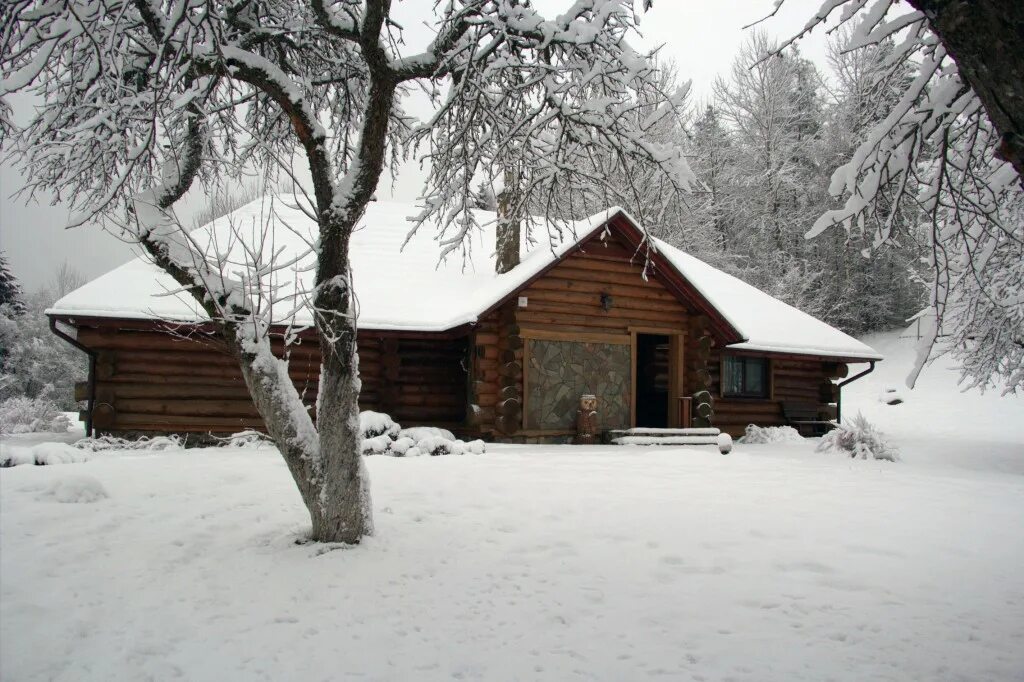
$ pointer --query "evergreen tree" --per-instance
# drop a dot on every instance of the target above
(10, 290)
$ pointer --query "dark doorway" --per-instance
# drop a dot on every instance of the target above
(652, 367)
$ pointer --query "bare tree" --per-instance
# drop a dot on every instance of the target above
(65, 279)
(952, 145)
(142, 98)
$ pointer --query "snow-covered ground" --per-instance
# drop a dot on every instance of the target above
(615, 563)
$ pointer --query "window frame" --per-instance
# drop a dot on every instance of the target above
(729, 364)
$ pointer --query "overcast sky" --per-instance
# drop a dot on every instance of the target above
(702, 36)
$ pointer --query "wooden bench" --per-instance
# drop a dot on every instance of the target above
(805, 416)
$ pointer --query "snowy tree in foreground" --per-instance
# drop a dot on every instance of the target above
(139, 99)
(953, 144)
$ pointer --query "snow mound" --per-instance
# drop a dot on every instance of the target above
(376, 445)
(760, 435)
(400, 446)
(44, 454)
(418, 433)
(891, 396)
(382, 436)
(75, 490)
(860, 439)
(724, 443)
(373, 424)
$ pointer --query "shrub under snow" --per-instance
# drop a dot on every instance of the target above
(382, 436)
(418, 433)
(757, 435)
(373, 424)
(32, 415)
(858, 438)
(156, 443)
(43, 454)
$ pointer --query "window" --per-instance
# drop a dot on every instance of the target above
(744, 377)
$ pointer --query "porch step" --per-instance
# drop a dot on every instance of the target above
(663, 433)
(649, 436)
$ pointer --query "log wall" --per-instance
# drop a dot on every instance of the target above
(154, 382)
(565, 303)
(796, 380)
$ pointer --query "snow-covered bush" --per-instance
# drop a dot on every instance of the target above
(382, 436)
(245, 439)
(373, 424)
(156, 443)
(400, 447)
(376, 445)
(43, 454)
(418, 433)
(32, 415)
(860, 439)
(757, 435)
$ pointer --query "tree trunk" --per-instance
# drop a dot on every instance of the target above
(984, 39)
(507, 231)
(343, 513)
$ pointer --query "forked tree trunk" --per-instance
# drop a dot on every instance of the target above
(324, 459)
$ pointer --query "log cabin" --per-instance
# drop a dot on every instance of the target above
(589, 307)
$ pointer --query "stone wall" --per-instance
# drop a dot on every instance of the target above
(558, 372)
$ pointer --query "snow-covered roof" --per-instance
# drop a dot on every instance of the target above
(766, 323)
(406, 287)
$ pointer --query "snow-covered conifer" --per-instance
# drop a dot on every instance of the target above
(11, 294)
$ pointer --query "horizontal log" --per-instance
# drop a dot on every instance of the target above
(422, 416)
(622, 301)
(191, 407)
(733, 408)
(567, 322)
(482, 338)
(94, 338)
(237, 391)
(181, 424)
(602, 265)
(675, 318)
(147, 377)
(558, 284)
(595, 272)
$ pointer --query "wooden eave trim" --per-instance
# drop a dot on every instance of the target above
(308, 333)
(780, 355)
